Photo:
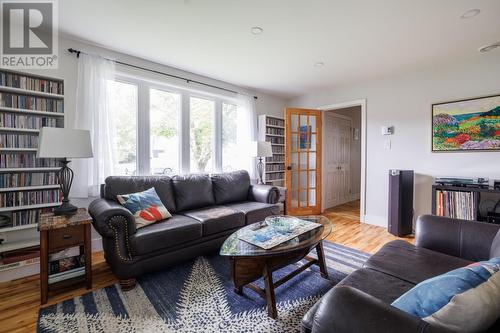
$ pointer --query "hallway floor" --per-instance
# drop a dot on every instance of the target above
(349, 231)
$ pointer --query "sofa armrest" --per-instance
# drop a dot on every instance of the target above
(264, 193)
(109, 216)
(111, 220)
(346, 309)
(458, 238)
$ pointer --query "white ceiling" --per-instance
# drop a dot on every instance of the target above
(356, 39)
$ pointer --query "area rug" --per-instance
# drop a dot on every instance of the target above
(197, 296)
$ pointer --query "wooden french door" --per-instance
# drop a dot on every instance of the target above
(303, 161)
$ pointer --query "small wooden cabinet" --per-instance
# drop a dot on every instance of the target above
(58, 233)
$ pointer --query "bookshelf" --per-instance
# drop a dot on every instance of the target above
(464, 202)
(28, 186)
(272, 129)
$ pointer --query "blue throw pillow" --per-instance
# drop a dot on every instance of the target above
(146, 207)
(463, 300)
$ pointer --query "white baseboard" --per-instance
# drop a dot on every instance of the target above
(376, 220)
(97, 244)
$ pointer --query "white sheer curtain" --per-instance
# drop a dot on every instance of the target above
(93, 113)
(246, 132)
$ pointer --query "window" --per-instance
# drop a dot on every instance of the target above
(201, 136)
(164, 130)
(229, 138)
(123, 104)
(164, 111)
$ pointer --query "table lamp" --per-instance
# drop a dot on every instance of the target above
(261, 149)
(64, 143)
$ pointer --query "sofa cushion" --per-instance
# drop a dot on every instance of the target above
(231, 186)
(176, 230)
(132, 184)
(413, 264)
(385, 287)
(255, 211)
(192, 191)
(463, 300)
(217, 219)
(146, 207)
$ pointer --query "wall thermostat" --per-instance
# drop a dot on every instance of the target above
(387, 130)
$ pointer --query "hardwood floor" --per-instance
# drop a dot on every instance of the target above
(20, 299)
(348, 231)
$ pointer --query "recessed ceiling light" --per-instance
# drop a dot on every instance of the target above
(470, 13)
(256, 30)
(490, 47)
(319, 64)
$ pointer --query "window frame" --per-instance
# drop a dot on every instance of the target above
(126, 80)
(147, 167)
(143, 129)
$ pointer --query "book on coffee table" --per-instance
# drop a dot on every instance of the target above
(275, 232)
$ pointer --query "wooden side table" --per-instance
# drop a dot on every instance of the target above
(62, 232)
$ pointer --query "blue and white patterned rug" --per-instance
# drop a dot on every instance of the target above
(197, 296)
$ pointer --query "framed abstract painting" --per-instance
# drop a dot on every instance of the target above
(466, 125)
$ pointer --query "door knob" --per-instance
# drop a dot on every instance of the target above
(289, 167)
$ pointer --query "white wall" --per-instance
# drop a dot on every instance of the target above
(354, 113)
(404, 101)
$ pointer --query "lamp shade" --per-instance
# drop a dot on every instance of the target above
(64, 143)
(261, 149)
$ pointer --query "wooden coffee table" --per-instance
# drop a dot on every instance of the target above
(250, 262)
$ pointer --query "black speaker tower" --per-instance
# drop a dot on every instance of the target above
(400, 202)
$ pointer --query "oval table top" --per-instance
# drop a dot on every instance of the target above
(235, 247)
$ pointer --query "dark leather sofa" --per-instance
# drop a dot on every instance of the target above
(361, 302)
(205, 211)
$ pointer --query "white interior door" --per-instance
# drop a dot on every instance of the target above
(337, 154)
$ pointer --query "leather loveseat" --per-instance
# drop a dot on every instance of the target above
(205, 211)
(361, 302)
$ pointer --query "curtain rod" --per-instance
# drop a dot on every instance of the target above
(72, 50)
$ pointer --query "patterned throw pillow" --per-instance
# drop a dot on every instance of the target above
(146, 207)
(463, 300)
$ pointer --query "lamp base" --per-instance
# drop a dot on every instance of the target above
(260, 170)
(65, 176)
(65, 209)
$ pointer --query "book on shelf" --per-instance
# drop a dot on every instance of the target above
(26, 160)
(22, 217)
(21, 121)
(18, 264)
(271, 121)
(20, 81)
(457, 204)
(24, 198)
(17, 101)
(275, 131)
(8, 140)
(14, 256)
(18, 258)
(22, 179)
(276, 140)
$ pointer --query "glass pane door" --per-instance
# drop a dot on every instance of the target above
(303, 160)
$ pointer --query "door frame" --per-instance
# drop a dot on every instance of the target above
(363, 130)
(338, 116)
